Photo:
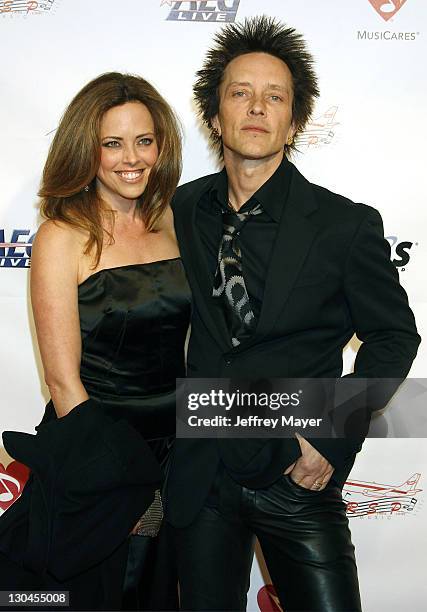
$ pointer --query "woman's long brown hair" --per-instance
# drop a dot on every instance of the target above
(74, 157)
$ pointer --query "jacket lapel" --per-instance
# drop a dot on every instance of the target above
(295, 235)
(197, 269)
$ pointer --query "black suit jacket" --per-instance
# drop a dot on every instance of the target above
(330, 276)
(91, 480)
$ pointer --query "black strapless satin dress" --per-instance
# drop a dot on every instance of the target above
(134, 320)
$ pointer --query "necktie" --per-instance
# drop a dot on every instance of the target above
(229, 282)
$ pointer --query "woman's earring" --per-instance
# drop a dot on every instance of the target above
(87, 188)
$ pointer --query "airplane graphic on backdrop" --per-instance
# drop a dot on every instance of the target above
(320, 130)
(367, 498)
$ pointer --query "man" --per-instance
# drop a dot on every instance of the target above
(283, 273)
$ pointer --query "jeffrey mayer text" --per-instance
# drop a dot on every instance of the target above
(252, 421)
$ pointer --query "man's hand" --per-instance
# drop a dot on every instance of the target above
(311, 470)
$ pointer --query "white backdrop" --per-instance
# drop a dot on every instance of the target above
(366, 141)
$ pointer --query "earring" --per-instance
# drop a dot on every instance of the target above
(216, 133)
(87, 188)
(290, 140)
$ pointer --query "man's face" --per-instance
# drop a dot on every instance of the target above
(255, 107)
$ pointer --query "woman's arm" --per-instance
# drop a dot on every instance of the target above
(55, 260)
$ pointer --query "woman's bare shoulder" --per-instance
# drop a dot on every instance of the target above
(59, 235)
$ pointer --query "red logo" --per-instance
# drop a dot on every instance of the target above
(387, 8)
(267, 599)
(12, 481)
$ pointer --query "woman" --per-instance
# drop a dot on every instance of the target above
(111, 308)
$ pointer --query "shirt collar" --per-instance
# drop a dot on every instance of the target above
(271, 195)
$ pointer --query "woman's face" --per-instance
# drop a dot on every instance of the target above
(128, 152)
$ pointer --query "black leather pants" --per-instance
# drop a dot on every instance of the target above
(303, 534)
